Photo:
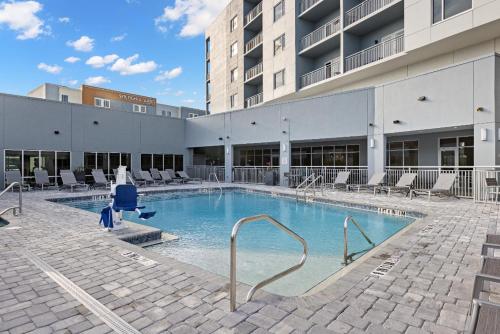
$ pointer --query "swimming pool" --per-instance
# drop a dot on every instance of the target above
(203, 222)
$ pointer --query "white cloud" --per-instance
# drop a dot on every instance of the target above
(179, 93)
(118, 38)
(126, 66)
(169, 74)
(99, 80)
(72, 82)
(52, 69)
(98, 61)
(84, 44)
(194, 15)
(72, 60)
(188, 101)
(64, 19)
(21, 17)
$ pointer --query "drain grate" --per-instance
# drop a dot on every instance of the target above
(106, 315)
(385, 267)
(139, 258)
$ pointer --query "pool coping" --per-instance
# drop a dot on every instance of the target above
(143, 240)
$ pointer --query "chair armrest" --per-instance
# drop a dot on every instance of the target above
(487, 246)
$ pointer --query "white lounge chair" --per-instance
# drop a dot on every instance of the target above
(12, 176)
(100, 179)
(69, 181)
(443, 186)
(404, 185)
(375, 183)
(42, 179)
(341, 180)
(186, 178)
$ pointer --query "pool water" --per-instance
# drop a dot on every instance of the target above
(204, 222)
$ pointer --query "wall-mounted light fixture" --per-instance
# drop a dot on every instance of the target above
(372, 143)
(220, 138)
(422, 98)
(96, 122)
(284, 132)
(284, 119)
(56, 132)
(284, 148)
(484, 134)
(396, 121)
(371, 124)
(253, 123)
(227, 137)
(479, 109)
(227, 151)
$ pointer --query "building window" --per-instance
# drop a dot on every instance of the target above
(279, 79)
(234, 49)
(279, 44)
(268, 157)
(140, 108)
(208, 47)
(233, 24)
(102, 103)
(209, 91)
(402, 153)
(27, 161)
(456, 151)
(233, 99)
(234, 74)
(208, 70)
(64, 98)
(328, 155)
(444, 9)
(192, 115)
(279, 10)
(208, 108)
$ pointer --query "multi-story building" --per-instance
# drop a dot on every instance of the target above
(284, 49)
(111, 99)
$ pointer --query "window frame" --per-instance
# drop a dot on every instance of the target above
(233, 100)
(233, 23)
(402, 150)
(282, 13)
(233, 77)
(102, 103)
(282, 72)
(282, 40)
(142, 108)
(231, 49)
(442, 17)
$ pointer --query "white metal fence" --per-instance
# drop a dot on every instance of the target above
(254, 42)
(321, 74)
(254, 71)
(204, 171)
(326, 30)
(379, 51)
(254, 100)
(255, 174)
(364, 9)
(306, 4)
(359, 175)
(253, 13)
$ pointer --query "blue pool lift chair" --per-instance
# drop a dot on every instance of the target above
(126, 200)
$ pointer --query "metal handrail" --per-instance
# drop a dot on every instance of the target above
(19, 208)
(314, 188)
(216, 179)
(232, 274)
(348, 256)
(301, 184)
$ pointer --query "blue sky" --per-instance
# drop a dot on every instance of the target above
(153, 48)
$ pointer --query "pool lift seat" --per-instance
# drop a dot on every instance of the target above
(125, 199)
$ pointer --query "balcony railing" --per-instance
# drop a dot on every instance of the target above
(256, 11)
(322, 73)
(254, 71)
(306, 4)
(364, 9)
(254, 174)
(375, 53)
(254, 100)
(253, 43)
(323, 32)
(359, 174)
(203, 172)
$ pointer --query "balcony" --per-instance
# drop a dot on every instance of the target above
(254, 100)
(313, 10)
(375, 53)
(321, 39)
(364, 9)
(321, 74)
(253, 73)
(253, 46)
(253, 20)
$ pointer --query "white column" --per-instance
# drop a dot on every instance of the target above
(228, 162)
(285, 157)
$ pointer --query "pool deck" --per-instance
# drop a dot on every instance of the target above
(59, 272)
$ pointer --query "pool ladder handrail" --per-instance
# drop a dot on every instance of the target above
(232, 273)
(348, 256)
(297, 190)
(17, 210)
(313, 183)
(216, 179)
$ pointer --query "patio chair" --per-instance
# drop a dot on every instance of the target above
(489, 272)
(484, 319)
(173, 176)
(166, 177)
(147, 178)
(42, 179)
(341, 180)
(155, 174)
(375, 183)
(492, 242)
(137, 178)
(443, 186)
(12, 176)
(69, 181)
(404, 185)
(100, 179)
(492, 188)
(186, 178)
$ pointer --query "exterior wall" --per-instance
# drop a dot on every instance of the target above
(119, 100)
(74, 95)
(165, 109)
